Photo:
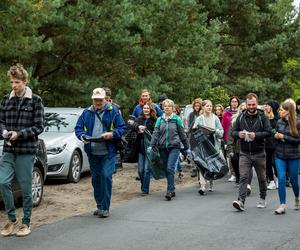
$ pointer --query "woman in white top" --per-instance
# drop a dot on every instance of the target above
(210, 120)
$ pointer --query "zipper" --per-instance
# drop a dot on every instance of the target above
(167, 134)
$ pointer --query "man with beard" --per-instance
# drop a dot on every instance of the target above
(252, 127)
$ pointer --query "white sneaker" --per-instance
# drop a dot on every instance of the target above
(271, 185)
(262, 203)
(248, 190)
(232, 178)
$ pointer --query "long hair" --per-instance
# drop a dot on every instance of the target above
(152, 112)
(292, 117)
(197, 100)
(177, 109)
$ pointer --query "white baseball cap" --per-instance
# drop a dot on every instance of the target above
(98, 93)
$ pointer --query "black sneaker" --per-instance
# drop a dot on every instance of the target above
(97, 212)
(201, 192)
(239, 205)
(169, 195)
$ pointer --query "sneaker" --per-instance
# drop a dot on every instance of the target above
(144, 193)
(9, 228)
(104, 214)
(280, 210)
(201, 191)
(272, 185)
(248, 190)
(262, 203)
(239, 205)
(297, 203)
(23, 230)
(232, 178)
(97, 212)
(169, 195)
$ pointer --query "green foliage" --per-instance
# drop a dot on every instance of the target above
(184, 48)
(217, 95)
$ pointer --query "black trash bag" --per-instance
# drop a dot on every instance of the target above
(210, 162)
(130, 152)
(155, 163)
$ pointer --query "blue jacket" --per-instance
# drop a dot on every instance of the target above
(112, 121)
(139, 108)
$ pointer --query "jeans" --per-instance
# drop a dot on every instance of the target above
(102, 168)
(144, 173)
(19, 166)
(293, 168)
(178, 166)
(169, 158)
(258, 161)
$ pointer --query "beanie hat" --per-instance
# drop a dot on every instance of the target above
(162, 97)
(274, 105)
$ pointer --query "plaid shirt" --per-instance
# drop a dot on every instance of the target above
(26, 118)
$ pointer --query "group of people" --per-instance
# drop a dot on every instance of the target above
(244, 134)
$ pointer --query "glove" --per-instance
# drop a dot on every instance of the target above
(149, 150)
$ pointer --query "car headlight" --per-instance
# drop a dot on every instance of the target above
(54, 150)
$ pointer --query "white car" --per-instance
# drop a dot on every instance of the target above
(66, 156)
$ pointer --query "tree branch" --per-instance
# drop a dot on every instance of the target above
(57, 67)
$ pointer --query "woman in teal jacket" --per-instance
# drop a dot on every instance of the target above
(167, 136)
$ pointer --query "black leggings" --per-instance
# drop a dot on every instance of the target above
(235, 165)
(270, 164)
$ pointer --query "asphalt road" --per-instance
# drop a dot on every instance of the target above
(189, 221)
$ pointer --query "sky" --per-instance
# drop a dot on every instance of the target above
(296, 2)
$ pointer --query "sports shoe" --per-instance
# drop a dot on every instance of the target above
(297, 203)
(144, 193)
(280, 210)
(201, 191)
(23, 230)
(169, 195)
(239, 205)
(232, 178)
(248, 190)
(262, 203)
(104, 214)
(97, 212)
(271, 185)
(9, 228)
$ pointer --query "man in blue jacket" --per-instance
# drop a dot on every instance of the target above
(101, 120)
(145, 98)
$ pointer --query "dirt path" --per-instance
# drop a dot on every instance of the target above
(63, 200)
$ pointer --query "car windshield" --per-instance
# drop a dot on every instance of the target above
(64, 123)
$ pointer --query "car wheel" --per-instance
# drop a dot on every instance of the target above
(37, 186)
(75, 167)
